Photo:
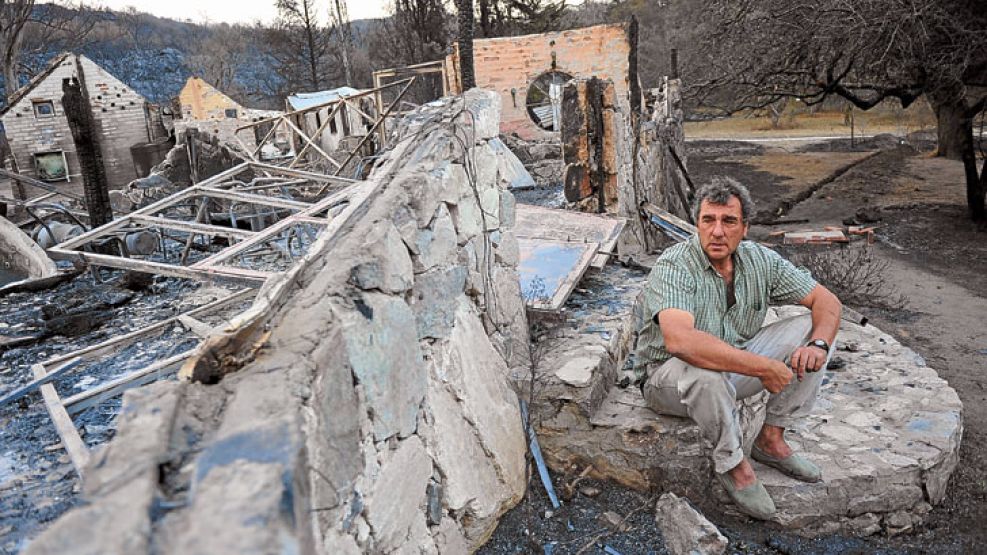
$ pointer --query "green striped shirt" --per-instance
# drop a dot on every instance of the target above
(684, 278)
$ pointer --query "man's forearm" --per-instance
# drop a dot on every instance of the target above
(704, 350)
(826, 317)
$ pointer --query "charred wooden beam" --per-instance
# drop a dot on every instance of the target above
(86, 136)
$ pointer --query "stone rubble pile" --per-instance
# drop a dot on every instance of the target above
(542, 158)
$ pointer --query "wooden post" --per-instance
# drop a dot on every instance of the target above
(594, 93)
(86, 137)
(71, 441)
(465, 18)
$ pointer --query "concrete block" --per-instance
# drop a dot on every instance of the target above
(685, 530)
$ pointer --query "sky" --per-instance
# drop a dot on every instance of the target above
(233, 11)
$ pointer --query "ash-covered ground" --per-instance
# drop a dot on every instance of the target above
(37, 481)
(608, 519)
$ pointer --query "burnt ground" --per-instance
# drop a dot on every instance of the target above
(935, 259)
(37, 481)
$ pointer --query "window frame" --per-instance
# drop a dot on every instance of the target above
(36, 103)
(37, 168)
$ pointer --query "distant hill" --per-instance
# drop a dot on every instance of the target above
(154, 55)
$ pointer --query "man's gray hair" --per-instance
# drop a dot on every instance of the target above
(719, 190)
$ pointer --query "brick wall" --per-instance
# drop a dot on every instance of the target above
(118, 110)
(27, 134)
(122, 115)
(204, 108)
(202, 101)
(513, 63)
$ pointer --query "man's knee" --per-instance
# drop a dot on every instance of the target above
(797, 325)
(702, 383)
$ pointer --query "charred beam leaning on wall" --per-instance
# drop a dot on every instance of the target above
(668, 223)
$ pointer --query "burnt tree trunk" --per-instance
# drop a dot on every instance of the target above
(982, 191)
(85, 135)
(594, 93)
(466, 71)
(955, 134)
(976, 185)
(954, 128)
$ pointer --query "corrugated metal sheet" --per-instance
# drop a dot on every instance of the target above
(302, 101)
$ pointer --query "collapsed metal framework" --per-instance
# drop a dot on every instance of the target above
(242, 226)
(310, 144)
(61, 410)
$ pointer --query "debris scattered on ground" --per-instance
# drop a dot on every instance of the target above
(802, 237)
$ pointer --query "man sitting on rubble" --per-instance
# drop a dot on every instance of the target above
(703, 346)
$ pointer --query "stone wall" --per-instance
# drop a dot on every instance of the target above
(509, 65)
(370, 411)
(119, 111)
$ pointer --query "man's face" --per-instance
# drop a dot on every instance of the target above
(721, 228)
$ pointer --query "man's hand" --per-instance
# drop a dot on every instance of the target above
(807, 359)
(777, 376)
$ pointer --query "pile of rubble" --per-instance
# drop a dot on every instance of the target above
(541, 157)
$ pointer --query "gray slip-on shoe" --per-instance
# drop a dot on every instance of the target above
(752, 500)
(796, 466)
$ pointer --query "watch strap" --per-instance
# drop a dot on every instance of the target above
(821, 343)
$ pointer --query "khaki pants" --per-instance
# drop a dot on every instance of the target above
(710, 398)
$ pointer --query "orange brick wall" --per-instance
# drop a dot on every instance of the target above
(507, 63)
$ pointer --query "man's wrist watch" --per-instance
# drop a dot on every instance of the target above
(818, 343)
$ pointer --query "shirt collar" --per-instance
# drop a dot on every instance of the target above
(697, 250)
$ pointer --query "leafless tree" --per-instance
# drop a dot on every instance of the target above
(343, 32)
(301, 45)
(414, 33)
(219, 54)
(28, 29)
(512, 17)
(14, 15)
(865, 51)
